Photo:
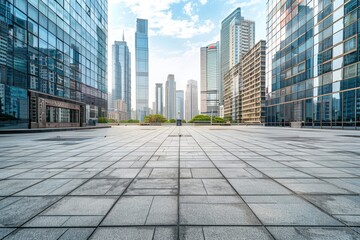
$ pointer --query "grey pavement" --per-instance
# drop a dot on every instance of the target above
(206, 182)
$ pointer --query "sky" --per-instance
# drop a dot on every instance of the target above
(177, 30)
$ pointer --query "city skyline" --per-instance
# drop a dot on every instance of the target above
(167, 45)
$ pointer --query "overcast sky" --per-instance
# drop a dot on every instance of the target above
(177, 30)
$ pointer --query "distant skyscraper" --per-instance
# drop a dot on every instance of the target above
(142, 68)
(210, 77)
(180, 104)
(242, 39)
(170, 97)
(159, 99)
(153, 109)
(191, 100)
(121, 84)
(225, 46)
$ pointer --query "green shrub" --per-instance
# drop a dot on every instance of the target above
(103, 120)
(155, 118)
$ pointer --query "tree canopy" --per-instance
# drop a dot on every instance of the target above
(155, 118)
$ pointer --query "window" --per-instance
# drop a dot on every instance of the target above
(350, 71)
(350, 58)
(350, 44)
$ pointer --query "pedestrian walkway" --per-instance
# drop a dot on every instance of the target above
(206, 182)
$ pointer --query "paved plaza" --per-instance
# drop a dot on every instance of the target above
(150, 182)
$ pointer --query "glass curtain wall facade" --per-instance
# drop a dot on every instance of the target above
(180, 104)
(170, 97)
(121, 84)
(53, 57)
(191, 100)
(142, 69)
(159, 99)
(210, 78)
(313, 73)
(225, 43)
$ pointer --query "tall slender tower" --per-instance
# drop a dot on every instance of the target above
(170, 97)
(142, 68)
(225, 47)
(159, 99)
(191, 100)
(121, 84)
(180, 104)
(210, 77)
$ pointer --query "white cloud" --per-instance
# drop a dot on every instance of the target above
(188, 8)
(162, 22)
(203, 2)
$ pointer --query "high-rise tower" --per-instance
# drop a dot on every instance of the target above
(210, 77)
(142, 68)
(121, 84)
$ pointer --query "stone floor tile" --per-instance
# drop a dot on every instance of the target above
(103, 187)
(165, 233)
(9, 187)
(191, 233)
(123, 233)
(52, 187)
(15, 211)
(288, 210)
(236, 233)
(37, 233)
(216, 214)
(257, 186)
(313, 233)
(80, 206)
(129, 211)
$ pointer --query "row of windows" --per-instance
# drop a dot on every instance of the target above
(61, 58)
(285, 70)
(336, 110)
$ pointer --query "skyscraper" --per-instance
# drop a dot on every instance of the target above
(180, 104)
(237, 37)
(191, 100)
(225, 47)
(53, 63)
(142, 68)
(253, 81)
(210, 77)
(121, 83)
(313, 62)
(159, 98)
(170, 97)
(242, 39)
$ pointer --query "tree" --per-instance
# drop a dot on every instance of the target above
(103, 120)
(228, 118)
(155, 118)
(201, 118)
(206, 118)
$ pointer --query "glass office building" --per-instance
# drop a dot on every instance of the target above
(121, 84)
(313, 70)
(159, 106)
(142, 69)
(170, 97)
(180, 100)
(210, 78)
(52, 62)
(226, 42)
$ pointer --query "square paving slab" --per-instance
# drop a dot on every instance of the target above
(188, 183)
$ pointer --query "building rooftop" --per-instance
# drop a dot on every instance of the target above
(147, 182)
